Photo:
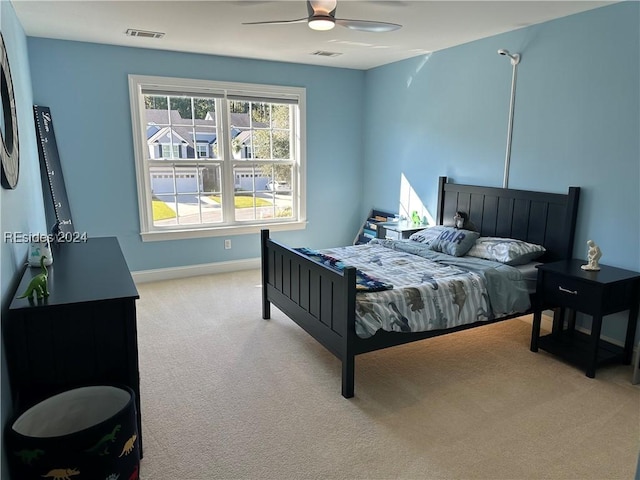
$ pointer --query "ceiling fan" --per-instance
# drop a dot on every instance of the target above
(322, 16)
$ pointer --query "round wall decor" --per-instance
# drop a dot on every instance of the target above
(9, 124)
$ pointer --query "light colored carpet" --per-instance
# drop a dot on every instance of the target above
(227, 395)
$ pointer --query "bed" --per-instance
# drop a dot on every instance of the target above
(322, 299)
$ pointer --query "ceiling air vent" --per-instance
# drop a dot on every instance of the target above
(322, 53)
(132, 32)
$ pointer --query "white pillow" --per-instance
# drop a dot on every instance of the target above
(505, 250)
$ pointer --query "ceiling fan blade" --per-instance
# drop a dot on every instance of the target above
(368, 25)
(278, 22)
(324, 11)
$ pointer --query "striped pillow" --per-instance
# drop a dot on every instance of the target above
(505, 250)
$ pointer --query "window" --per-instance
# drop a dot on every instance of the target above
(203, 150)
(209, 155)
(170, 151)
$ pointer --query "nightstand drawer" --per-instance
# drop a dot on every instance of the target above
(571, 293)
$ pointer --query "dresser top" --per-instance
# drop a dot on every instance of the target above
(88, 271)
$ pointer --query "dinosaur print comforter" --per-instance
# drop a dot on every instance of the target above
(431, 290)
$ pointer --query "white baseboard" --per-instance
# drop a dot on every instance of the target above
(143, 276)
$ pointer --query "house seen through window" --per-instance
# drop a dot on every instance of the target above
(214, 158)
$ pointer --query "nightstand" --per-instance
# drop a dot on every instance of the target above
(565, 285)
(399, 230)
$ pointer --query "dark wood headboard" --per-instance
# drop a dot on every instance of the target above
(547, 219)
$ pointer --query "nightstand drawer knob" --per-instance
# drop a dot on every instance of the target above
(572, 292)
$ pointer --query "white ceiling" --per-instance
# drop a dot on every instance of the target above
(215, 27)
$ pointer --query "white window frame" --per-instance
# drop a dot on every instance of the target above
(150, 232)
(175, 153)
(202, 150)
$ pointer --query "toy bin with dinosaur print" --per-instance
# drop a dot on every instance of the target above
(85, 433)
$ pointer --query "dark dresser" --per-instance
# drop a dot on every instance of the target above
(83, 333)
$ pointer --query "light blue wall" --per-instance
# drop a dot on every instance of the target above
(85, 85)
(576, 122)
(22, 208)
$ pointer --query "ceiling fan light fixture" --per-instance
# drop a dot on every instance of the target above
(322, 23)
(322, 17)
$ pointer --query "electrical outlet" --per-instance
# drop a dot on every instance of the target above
(227, 244)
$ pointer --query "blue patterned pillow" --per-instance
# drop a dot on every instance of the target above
(428, 235)
(454, 241)
(506, 250)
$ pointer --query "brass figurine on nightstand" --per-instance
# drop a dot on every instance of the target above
(593, 257)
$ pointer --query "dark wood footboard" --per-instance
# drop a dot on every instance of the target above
(319, 299)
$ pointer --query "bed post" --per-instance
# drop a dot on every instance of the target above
(266, 305)
(348, 352)
(440, 208)
(570, 223)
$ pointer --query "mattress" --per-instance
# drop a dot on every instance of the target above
(430, 290)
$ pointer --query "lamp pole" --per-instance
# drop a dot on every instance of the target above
(515, 59)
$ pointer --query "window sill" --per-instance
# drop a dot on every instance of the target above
(157, 236)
